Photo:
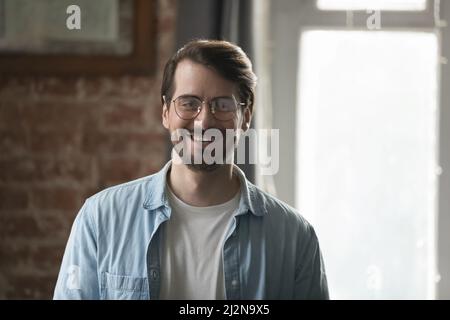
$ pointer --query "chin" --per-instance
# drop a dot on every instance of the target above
(203, 167)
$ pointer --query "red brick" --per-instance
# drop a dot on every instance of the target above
(138, 86)
(55, 224)
(127, 87)
(62, 115)
(17, 169)
(76, 168)
(123, 116)
(31, 286)
(11, 256)
(55, 88)
(42, 256)
(95, 142)
(55, 198)
(98, 88)
(47, 257)
(120, 143)
(12, 198)
(12, 87)
(13, 142)
(55, 142)
(35, 226)
(148, 144)
(118, 170)
(18, 224)
(11, 115)
(61, 140)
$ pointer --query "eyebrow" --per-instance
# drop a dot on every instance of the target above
(194, 96)
(189, 96)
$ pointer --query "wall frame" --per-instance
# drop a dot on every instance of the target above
(90, 58)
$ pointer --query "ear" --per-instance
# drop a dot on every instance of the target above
(165, 116)
(247, 118)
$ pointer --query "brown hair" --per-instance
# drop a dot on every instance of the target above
(226, 58)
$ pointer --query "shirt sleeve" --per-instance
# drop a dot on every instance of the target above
(310, 280)
(78, 278)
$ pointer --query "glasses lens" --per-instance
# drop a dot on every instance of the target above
(224, 107)
(187, 107)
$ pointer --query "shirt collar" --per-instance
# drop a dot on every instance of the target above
(250, 198)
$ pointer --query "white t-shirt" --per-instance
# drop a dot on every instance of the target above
(191, 259)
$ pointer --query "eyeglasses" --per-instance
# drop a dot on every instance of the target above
(189, 107)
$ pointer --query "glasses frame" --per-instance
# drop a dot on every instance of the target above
(208, 102)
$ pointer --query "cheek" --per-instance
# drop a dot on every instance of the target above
(175, 122)
(235, 123)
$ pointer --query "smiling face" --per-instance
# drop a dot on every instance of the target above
(193, 79)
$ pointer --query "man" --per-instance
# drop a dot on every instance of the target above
(194, 230)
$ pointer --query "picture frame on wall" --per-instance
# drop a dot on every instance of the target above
(110, 37)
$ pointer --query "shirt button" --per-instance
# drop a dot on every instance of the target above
(234, 283)
(154, 274)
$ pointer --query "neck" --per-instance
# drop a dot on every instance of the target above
(203, 188)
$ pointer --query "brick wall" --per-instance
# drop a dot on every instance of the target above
(61, 140)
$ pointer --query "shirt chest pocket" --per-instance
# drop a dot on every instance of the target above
(122, 287)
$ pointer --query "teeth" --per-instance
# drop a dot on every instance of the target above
(200, 139)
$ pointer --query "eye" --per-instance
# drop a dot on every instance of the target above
(224, 104)
(188, 102)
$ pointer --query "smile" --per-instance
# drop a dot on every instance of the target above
(201, 138)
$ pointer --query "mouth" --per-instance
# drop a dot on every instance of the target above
(201, 138)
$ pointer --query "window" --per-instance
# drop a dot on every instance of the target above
(363, 141)
(367, 159)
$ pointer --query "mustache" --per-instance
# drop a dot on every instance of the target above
(204, 131)
(182, 133)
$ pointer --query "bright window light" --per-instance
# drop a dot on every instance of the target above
(367, 159)
(394, 5)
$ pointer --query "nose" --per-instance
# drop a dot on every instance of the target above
(206, 117)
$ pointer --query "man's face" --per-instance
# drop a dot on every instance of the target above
(193, 79)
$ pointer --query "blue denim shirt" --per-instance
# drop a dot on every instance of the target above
(113, 252)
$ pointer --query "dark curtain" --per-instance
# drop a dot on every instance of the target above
(218, 19)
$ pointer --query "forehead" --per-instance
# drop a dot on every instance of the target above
(196, 79)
